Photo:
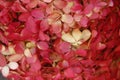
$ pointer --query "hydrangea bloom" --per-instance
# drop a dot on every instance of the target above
(60, 39)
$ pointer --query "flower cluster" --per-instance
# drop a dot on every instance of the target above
(60, 39)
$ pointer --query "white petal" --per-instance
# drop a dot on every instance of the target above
(13, 65)
(76, 33)
(5, 71)
(68, 38)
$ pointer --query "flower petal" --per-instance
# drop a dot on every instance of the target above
(42, 45)
(68, 38)
(85, 35)
(15, 57)
(67, 18)
(3, 61)
(13, 65)
(5, 71)
(76, 33)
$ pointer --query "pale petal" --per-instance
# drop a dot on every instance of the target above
(47, 1)
(2, 48)
(67, 18)
(15, 57)
(85, 35)
(76, 33)
(5, 71)
(6, 52)
(27, 53)
(13, 65)
(68, 38)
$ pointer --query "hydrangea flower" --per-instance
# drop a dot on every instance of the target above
(60, 39)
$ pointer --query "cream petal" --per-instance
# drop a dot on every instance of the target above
(85, 35)
(15, 57)
(27, 53)
(68, 38)
(76, 33)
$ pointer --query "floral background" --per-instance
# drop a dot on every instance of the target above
(60, 39)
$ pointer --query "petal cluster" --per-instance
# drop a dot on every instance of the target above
(60, 39)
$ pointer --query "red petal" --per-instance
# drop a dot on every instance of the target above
(44, 25)
(24, 16)
(81, 52)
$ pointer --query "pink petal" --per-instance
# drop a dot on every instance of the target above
(35, 66)
(3, 39)
(31, 25)
(69, 73)
(56, 27)
(32, 4)
(19, 48)
(44, 25)
(3, 61)
(84, 21)
(42, 45)
(17, 7)
(65, 47)
(38, 14)
(88, 8)
(32, 59)
(60, 4)
(43, 36)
